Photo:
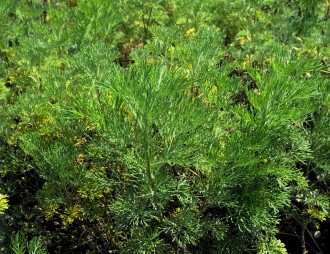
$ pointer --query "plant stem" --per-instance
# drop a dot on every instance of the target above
(318, 247)
(147, 155)
(302, 236)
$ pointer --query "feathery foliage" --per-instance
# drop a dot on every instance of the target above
(162, 126)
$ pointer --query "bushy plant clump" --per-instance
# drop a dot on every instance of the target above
(162, 126)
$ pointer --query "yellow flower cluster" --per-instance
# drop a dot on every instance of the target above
(152, 61)
(315, 213)
(71, 214)
(50, 211)
(3, 203)
(191, 32)
(245, 40)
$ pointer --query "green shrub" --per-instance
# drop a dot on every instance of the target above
(162, 126)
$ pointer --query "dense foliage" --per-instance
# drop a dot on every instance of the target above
(149, 126)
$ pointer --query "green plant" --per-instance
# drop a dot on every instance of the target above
(21, 245)
(163, 126)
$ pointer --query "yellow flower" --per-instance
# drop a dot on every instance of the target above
(45, 17)
(71, 214)
(245, 39)
(138, 23)
(315, 213)
(151, 61)
(3, 203)
(50, 211)
(79, 141)
(191, 32)
(67, 84)
(176, 212)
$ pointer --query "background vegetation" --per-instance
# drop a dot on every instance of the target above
(163, 126)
